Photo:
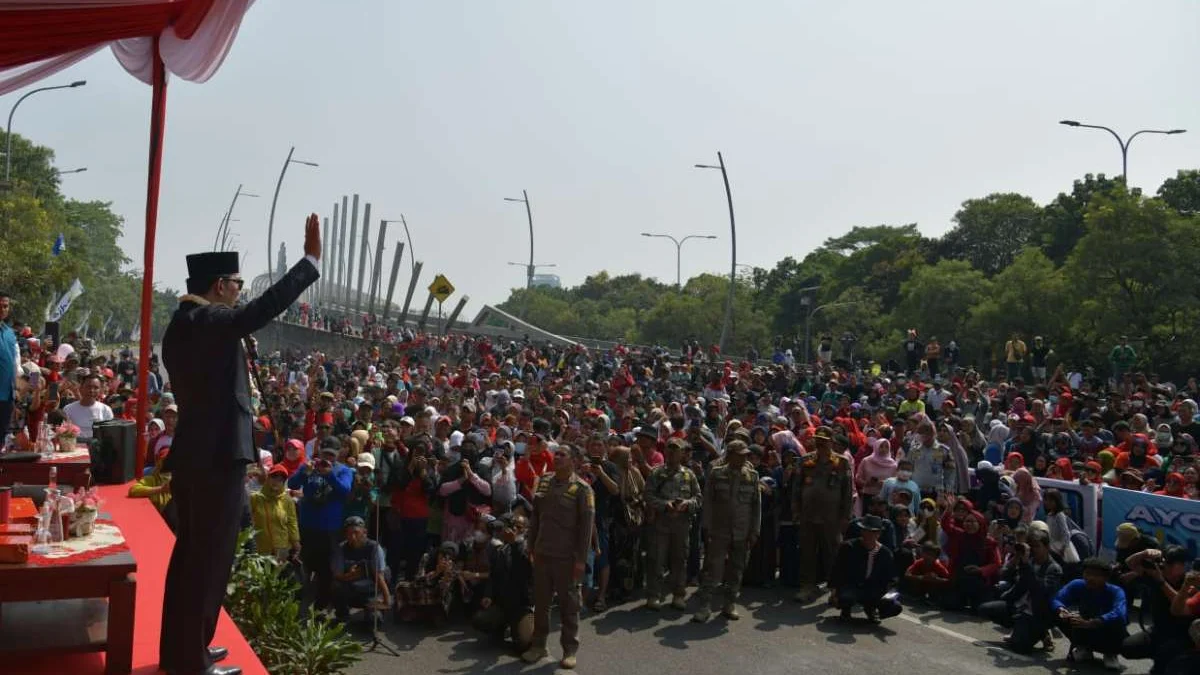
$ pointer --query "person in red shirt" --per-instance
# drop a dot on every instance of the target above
(927, 576)
(536, 461)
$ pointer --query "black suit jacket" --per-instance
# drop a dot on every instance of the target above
(202, 351)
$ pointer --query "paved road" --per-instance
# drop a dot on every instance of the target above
(774, 636)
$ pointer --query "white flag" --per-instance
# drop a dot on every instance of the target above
(83, 322)
(64, 303)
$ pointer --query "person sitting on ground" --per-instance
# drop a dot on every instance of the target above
(1028, 584)
(974, 557)
(507, 602)
(359, 573)
(1092, 613)
(927, 576)
(862, 573)
(431, 594)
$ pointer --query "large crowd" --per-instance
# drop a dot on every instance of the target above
(414, 480)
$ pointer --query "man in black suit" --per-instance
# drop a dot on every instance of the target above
(202, 350)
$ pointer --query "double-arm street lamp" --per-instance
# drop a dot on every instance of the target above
(1124, 143)
(679, 249)
(529, 269)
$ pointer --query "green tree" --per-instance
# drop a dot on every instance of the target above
(990, 232)
(937, 298)
(1182, 192)
(1062, 219)
(1028, 297)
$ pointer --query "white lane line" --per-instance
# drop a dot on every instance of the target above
(959, 636)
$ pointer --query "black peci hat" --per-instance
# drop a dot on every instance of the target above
(205, 268)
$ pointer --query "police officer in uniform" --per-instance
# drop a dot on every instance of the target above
(208, 366)
(673, 498)
(821, 503)
(732, 518)
(564, 512)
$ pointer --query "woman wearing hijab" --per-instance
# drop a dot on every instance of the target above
(1060, 529)
(460, 488)
(1013, 461)
(997, 440)
(1108, 464)
(992, 493)
(626, 530)
(875, 469)
(1176, 486)
(294, 456)
(974, 558)
(1141, 455)
(1028, 492)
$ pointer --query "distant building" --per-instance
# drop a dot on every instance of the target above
(546, 280)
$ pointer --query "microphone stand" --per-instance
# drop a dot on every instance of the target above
(376, 641)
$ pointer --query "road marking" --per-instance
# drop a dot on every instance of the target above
(963, 638)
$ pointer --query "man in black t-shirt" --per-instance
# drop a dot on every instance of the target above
(602, 475)
(1037, 358)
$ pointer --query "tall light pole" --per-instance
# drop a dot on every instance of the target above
(8, 137)
(727, 326)
(223, 229)
(529, 269)
(407, 236)
(1123, 143)
(271, 220)
(679, 249)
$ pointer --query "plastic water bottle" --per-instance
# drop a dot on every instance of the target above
(44, 446)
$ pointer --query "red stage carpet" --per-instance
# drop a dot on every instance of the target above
(150, 541)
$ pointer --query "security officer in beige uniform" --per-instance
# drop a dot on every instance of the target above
(821, 505)
(560, 535)
(673, 498)
(732, 518)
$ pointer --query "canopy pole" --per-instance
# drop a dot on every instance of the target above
(158, 119)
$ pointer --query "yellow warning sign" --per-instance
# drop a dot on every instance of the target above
(441, 288)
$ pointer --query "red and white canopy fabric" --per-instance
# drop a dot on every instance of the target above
(38, 39)
(150, 38)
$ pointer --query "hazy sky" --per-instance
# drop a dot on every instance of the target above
(830, 115)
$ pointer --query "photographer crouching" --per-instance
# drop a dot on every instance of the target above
(1160, 577)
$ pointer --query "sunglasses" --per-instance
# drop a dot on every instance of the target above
(238, 282)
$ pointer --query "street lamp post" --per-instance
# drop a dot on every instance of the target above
(1123, 143)
(679, 249)
(271, 220)
(408, 236)
(529, 269)
(727, 327)
(223, 229)
(8, 137)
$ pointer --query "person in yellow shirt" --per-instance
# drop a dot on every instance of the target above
(1014, 353)
(273, 512)
(912, 402)
(156, 486)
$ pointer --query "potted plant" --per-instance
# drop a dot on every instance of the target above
(87, 507)
(66, 436)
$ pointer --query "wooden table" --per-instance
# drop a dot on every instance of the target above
(72, 471)
(75, 607)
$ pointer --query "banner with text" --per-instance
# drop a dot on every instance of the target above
(1170, 520)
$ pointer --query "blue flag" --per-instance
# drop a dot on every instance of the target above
(60, 244)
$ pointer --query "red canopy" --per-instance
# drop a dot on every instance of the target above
(189, 38)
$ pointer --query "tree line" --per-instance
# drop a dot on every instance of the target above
(1097, 262)
(33, 213)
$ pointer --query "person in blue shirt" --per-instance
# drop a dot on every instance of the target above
(1092, 613)
(10, 365)
(325, 486)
